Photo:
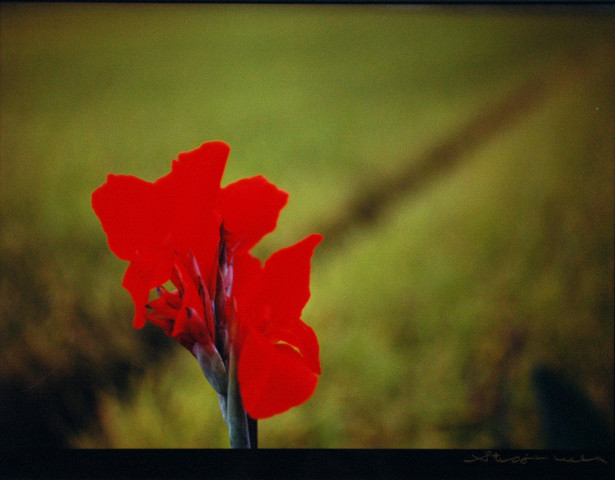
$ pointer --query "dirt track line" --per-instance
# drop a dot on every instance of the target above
(366, 207)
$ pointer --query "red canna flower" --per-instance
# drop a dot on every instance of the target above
(184, 229)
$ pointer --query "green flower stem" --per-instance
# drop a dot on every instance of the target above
(236, 416)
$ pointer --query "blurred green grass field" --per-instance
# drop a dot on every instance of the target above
(432, 314)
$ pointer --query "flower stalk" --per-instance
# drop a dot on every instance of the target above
(236, 415)
(226, 386)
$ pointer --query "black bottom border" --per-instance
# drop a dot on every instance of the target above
(303, 464)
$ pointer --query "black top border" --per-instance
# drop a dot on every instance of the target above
(342, 2)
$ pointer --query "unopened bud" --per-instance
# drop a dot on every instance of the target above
(212, 366)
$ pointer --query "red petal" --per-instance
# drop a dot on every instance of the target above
(192, 322)
(165, 306)
(275, 376)
(250, 209)
(310, 348)
(282, 285)
(134, 213)
(271, 299)
(286, 279)
(141, 276)
(272, 379)
(145, 222)
(246, 281)
(195, 224)
(302, 337)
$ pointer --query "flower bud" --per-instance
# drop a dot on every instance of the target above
(212, 366)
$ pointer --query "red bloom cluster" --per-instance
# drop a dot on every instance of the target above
(185, 229)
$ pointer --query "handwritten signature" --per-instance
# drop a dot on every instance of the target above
(523, 460)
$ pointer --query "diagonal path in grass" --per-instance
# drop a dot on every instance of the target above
(444, 155)
(437, 160)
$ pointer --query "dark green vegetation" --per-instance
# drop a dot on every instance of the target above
(459, 163)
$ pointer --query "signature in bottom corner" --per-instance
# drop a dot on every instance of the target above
(523, 460)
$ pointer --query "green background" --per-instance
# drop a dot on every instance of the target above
(458, 160)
